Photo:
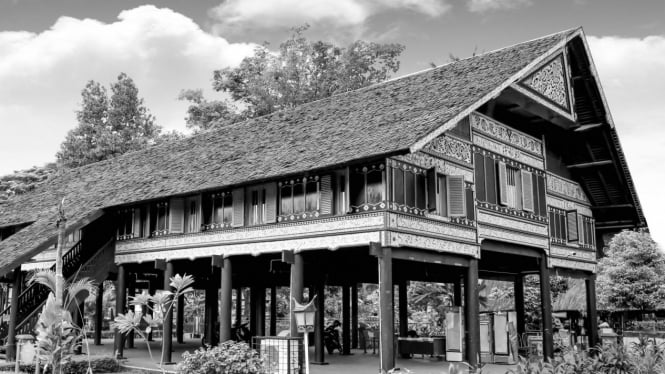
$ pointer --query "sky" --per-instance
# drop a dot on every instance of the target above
(49, 49)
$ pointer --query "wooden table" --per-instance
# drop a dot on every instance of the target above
(423, 346)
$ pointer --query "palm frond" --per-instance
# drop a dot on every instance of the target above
(181, 283)
(77, 291)
(44, 277)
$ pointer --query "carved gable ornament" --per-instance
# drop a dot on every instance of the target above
(550, 82)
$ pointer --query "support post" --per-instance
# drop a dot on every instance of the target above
(297, 286)
(354, 316)
(99, 313)
(151, 305)
(519, 304)
(238, 306)
(546, 308)
(346, 320)
(273, 310)
(211, 312)
(403, 308)
(471, 308)
(167, 329)
(226, 299)
(120, 297)
(457, 293)
(131, 292)
(78, 321)
(319, 356)
(180, 320)
(386, 324)
(261, 312)
(253, 295)
(592, 317)
(13, 316)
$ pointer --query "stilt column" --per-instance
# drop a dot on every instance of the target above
(592, 317)
(273, 310)
(167, 329)
(131, 292)
(180, 320)
(519, 304)
(319, 356)
(457, 293)
(297, 286)
(386, 324)
(354, 316)
(471, 308)
(120, 297)
(546, 308)
(13, 316)
(225, 311)
(346, 320)
(99, 313)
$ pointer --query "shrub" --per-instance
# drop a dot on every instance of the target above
(227, 358)
(77, 365)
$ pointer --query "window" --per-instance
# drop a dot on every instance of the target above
(409, 188)
(341, 201)
(558, 225)
(218, 210)
(567, 226)
(129, 225)
(192, 223)
(302, 198)
(587, 231)
(516, 187)
(448, 195)
(160, 218)
(366, 188)
(258, 204)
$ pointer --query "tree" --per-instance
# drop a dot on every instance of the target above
(108, 127)
(301, 71)
(632, 273)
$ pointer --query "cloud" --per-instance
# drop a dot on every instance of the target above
(233, 14)
(42, 74)
(480, 6)
(631, 73)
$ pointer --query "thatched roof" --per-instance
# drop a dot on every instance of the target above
(379, 120)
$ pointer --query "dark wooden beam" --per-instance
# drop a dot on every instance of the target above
(613, 206)
(494, 246)
(590, 164)
(588, 127)
(386, 325)
(429, 257)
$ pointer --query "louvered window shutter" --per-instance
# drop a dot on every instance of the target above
(238, 196)
(431, 190)
(177, 216)
(503, 183)
(571, 221)
(456, 205)
(527, 191)
(326, 195)
(271, 202)
(136, 230)
(479, 168)
(470, 205)
(542, 200)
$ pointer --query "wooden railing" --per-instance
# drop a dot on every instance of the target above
(33, 297)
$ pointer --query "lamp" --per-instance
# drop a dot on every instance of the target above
(305, 315)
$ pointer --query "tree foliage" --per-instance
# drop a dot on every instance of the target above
(108, 126)
(632, 273)
(301, 71)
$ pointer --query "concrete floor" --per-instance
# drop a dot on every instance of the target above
(357, 363)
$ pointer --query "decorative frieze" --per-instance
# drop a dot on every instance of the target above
(531, 228)
(505, 134)
(427, 161)
(509, 236)
(432, 227)
(508, 151)
(564, 204)
(566, 188)
(511, 212)
(550, 82)
(325, 226)
(446, 146)
(330, 242)
(401, 239)
(570, 264)
(572, 254)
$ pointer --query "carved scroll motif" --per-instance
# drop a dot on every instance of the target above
(550, 82)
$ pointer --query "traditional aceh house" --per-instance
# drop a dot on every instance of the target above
(496, 166)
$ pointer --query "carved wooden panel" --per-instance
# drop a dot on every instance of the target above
(449, 147)
(566, 188)
(506, 134)
(550, 82)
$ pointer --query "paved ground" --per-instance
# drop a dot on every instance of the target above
(357, 363)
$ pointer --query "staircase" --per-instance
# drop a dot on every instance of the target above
(91, 257)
